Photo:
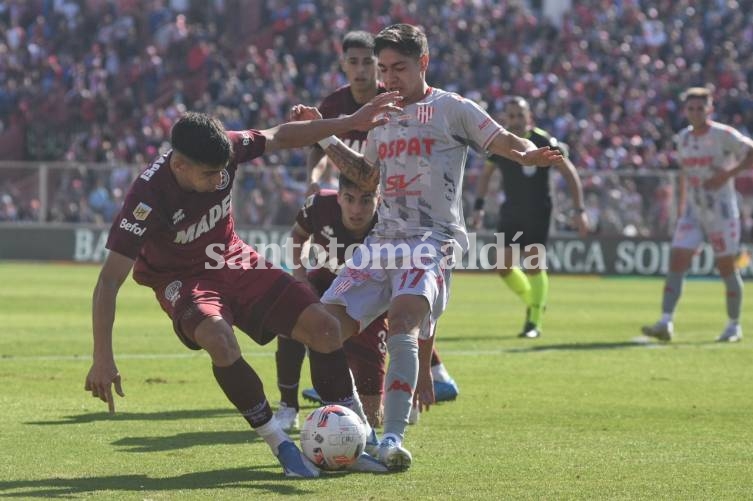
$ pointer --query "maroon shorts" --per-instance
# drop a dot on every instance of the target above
(261, 302)
(366, 354)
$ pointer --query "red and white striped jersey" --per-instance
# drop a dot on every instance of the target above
(421, 154)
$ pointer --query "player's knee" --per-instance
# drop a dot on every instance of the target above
(405, 322)
(216, 338)
(318, 330)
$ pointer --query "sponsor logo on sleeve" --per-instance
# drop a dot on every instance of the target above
(130, 227)
(178, 216)
(148, 173)
(224, 180)
(142, 211)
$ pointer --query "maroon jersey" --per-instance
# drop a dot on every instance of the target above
(341, 103)
(321, 216)
(167, 229)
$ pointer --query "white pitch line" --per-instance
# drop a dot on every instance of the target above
(533, 348)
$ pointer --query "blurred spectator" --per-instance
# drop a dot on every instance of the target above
(88, 81)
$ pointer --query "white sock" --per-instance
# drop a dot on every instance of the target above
(666, 318)
(439, 373)
(399, 382)
(272, 434)
(734, 322)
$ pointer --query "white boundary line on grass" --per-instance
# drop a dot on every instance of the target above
(461, 353)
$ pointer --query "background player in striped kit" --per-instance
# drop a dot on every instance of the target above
(418, 158)
(710, 155)
(527, 210)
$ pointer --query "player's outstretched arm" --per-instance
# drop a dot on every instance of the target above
(309, 130)
(523, 151)
(580, 218)
(104, 373)
(352, 164)
(300, 237)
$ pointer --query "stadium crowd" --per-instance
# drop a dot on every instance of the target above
(101, 81)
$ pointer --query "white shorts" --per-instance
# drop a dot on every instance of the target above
(722, 234)
(369, 281)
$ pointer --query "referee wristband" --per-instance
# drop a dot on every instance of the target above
(478, 204)
(328, 141)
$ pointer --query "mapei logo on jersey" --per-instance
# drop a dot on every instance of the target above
(224, 180)
(132, 227)
(142, 211)
(424, 112)
(172, 292)
(178, 216)
(207, 222)
(398, 185)
(411, 147)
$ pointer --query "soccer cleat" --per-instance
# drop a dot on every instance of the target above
(367, 464)
(530, 331)
(393, 456)
(372, 443)
(287, 417)
(445, 390)
(414, 415)
(311, 395)
(294, 463)
(731, 334)
(660, 330)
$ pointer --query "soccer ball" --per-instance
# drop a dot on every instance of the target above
(333, 437)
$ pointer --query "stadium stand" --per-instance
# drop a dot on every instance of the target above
(98, 81)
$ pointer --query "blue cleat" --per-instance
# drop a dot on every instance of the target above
(294, 463)
(372, 443)
(311, 395)
(444, 391)
(367, 464)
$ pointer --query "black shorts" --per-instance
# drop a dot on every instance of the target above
(534, 227)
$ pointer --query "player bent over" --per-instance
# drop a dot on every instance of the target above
(175, 211)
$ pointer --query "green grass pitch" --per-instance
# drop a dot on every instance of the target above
(585, 412)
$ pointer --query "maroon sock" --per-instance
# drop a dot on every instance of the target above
(289, 356)
(244, 389)
(331, 376)
(435, 360)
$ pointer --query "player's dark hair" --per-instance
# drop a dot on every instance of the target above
(202, 139)
(347, 183)
(358, 40)
(697, 93)
(406, 39)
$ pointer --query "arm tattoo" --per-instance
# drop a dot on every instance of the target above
(354, 167)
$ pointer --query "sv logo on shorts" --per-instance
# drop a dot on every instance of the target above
(172, 292)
